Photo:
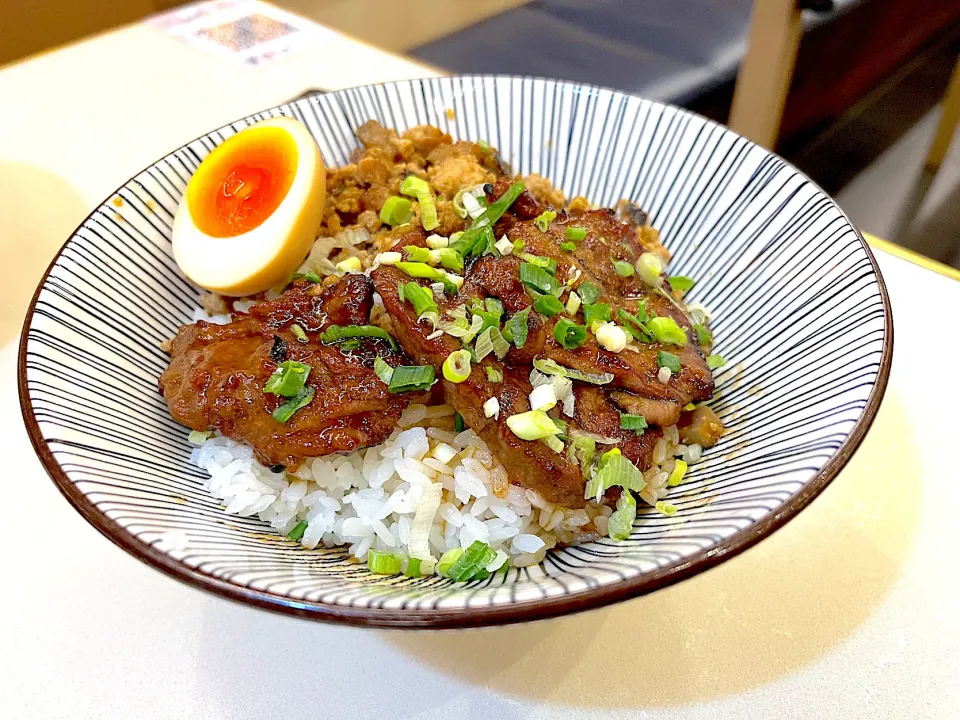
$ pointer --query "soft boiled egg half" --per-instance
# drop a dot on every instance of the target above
(252, 209)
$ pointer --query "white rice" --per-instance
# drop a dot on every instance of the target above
(368, 499)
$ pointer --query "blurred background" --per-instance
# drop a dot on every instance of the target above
(850, 91)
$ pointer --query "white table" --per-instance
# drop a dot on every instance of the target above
(851, 611)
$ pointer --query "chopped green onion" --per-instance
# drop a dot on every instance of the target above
(288, 379)
(382, 563)
(299, 333)
(383, 370)
(417, 253)
(569, 334)
(309, 276)
(518, 246)
(284, 412)
(665, 508)
(636, 327)
(198, 437)
(681, 282)
(467, 243)
(456, 368)
(650, 268)
(582, 451)
(568, 246)
(500, 345)
(515, 329)
(336, 333)
(632, 422)
(589, 292)
(349, 345)
(484, 145)
(599, 312)
(420, 269)
(620, 523)
(554, 443)
(396, 211)
(389, 258)
(548, 305)
(668, 360)
(494, 305)
(494, 375)
(614, 469)
(476, 325)
(623, 268)
(551, 367)
(400, 291)
(472, 562)
(676, 475)
(704, 336)
(573, 303)
(428, 211)
(532, 425)
(572, 232)
(484, 344)
(610, 337)
(689, 406)
(547, 263)
(538, 278)
(413, 567)
(437, 242)
(667, 331)
(715, 361)
(449, 258)
(412, 377)
(298, 530)
(544, 219)
(351, 264)
(414, 186)
(458, 422)
(448, 559)
(421, 298)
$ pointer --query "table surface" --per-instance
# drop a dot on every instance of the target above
(850, 611)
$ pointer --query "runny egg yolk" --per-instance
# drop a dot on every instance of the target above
(238, 189)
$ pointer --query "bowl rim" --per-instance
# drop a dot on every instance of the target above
(459, 618)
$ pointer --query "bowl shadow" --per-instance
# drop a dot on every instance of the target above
(771, 611)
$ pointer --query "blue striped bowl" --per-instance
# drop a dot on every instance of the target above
(799, 305)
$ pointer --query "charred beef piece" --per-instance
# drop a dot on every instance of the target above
(217, 373)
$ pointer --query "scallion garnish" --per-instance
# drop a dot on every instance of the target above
(568, 246)
(582, 450)
(417, 253)
(413, 567)
(472, 563)
(532, 425)
(633, 422)
(484, 145)
(573, 304)
(538, 278)
(548, 305)
(623, 268)
(518, 246)
(569, 334)
(456, 368)
(310, 276)
(421, 298)
(414, 186)
(614, 469)
(544, 219)
(494, 375)
(381, 563)
(458, 422)
(650, 268)
(715, 361)
(336, 333)
(284, 412)
(635, 327)
(383, 370)
(447, 560)
(396, 211)
(620, 523)
(299, 333)
(572, 232)
(681, 282)
(198, 437)
(667, 331)
(589, 292)
(676, 475)
(298, 530)
(665, 508)
(598, 312)
(668, 360)
(428, 211)
(407, 378)
(515, 329)
(467, 244)
(551, 367)
(288, 379)
(704, 336)
(547, 263)
(422, 270)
